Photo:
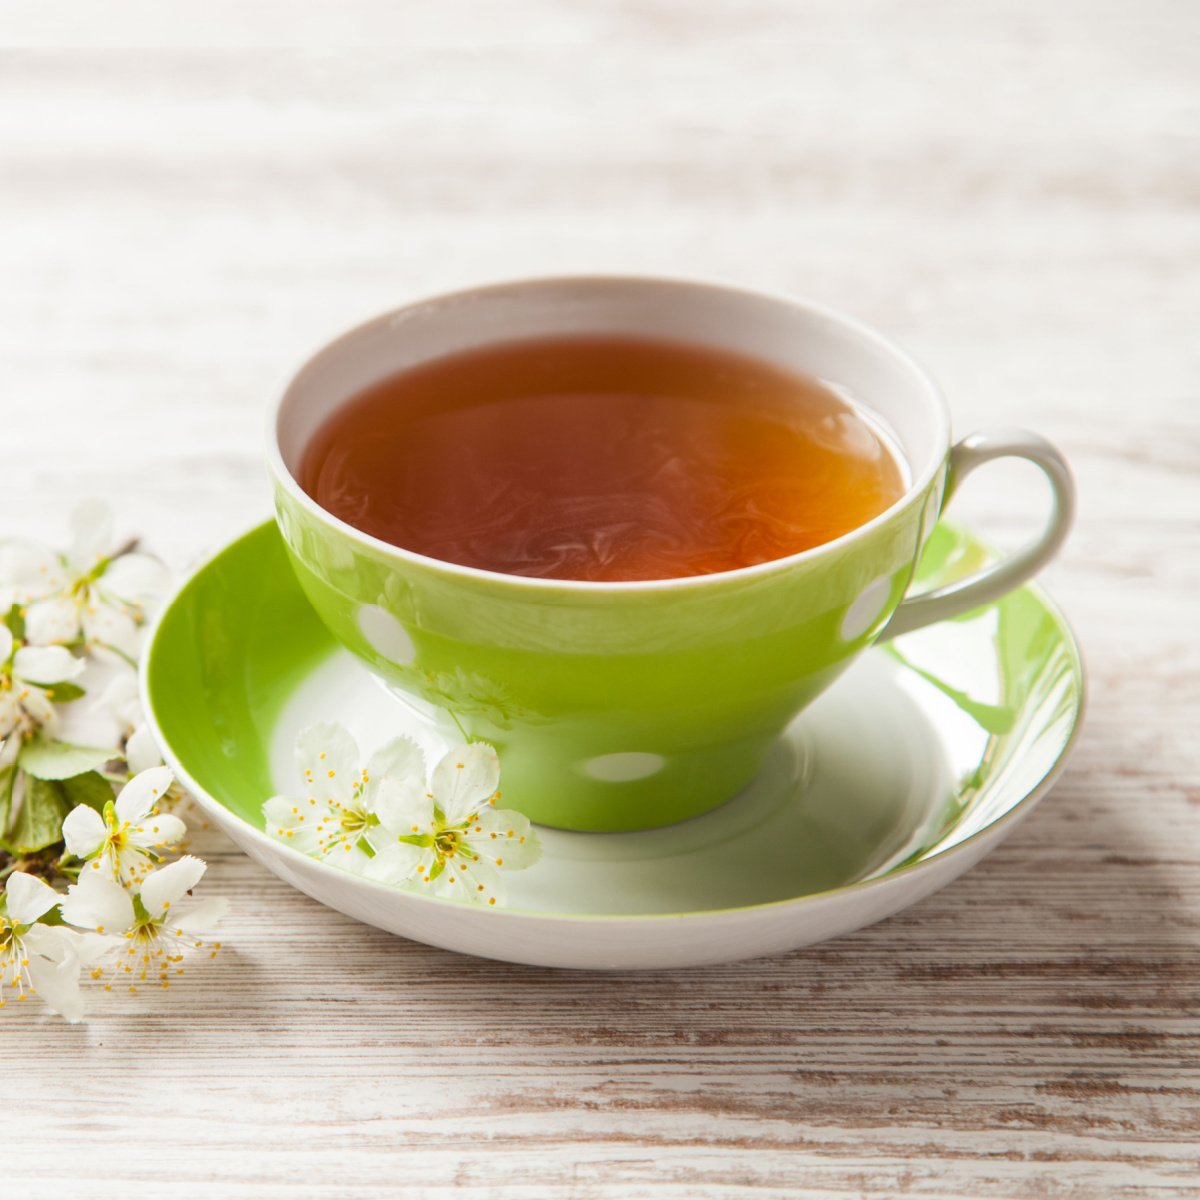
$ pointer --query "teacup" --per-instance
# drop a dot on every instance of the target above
(628, 705)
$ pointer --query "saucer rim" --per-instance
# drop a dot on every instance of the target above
(934, 858)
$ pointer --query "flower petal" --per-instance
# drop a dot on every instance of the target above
(39, 710)
(167, 884)
(58, 986)
(98, 902)
(108, 627)
(142, 793)
(476, 883)
(92, 538)
(328, 760)
(10, 710)
(396, 862)
(203, 916)
(121, 697)
(466, 778)
(157, 831)
(348, 855)
(29, 897)
(88, 947)
(47, 665)
(400, 759)
(504, 837)
(137, 579)
(83, 831)
(396, 792)
(29, 571)
(51, 621)
(404, 807)
(141, 750)
(282, 820)
(55, 942)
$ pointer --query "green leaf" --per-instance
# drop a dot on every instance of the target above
(60, 760)
(15, 620)
(63, 692)
(90, 788)
(8, 777)
(39, 818)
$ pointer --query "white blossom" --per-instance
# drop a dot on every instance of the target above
(28, 677)
(336, 809)
(121, 700)
(449, 836)
(145, 933)
(90, 594)
(125, 841)
(37, 959)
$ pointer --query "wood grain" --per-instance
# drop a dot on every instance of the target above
(1009, 188)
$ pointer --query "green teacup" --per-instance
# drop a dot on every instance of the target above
(629, 705)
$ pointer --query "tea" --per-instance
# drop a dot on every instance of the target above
(602, 458)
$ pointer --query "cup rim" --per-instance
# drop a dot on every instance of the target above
(940, 408)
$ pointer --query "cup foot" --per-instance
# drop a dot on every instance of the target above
(627, 790)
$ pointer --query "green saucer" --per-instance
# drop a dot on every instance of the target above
(905, 773)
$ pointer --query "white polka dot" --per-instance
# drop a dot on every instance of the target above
(866, 610)
(620, 768)
(385, 635)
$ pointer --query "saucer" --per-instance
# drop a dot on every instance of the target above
(917, 762)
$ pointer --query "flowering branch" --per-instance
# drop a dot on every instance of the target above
(71, 735)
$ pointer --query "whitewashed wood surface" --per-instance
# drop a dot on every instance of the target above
(1012, 190)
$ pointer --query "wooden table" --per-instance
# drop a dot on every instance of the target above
(1012, 190)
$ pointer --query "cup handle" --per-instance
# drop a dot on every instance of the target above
(1001, 577)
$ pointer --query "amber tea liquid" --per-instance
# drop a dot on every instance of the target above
(602, 458)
